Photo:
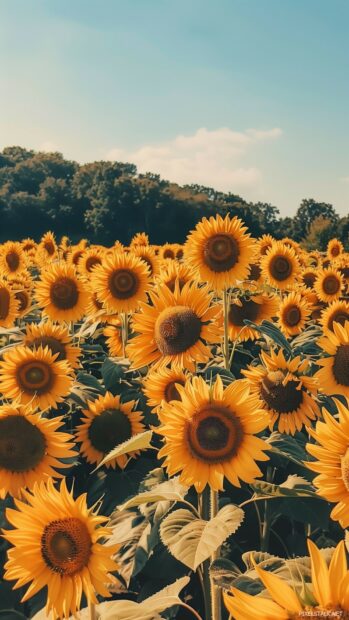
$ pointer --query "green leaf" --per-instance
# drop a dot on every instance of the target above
(288, 447)
(269, 329)
(90, 381)
(111, 373)
(294, 486)
(192, 540)
(137, 442)
(224, 572)
(171, 490)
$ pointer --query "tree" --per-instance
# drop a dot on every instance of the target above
(308, 211)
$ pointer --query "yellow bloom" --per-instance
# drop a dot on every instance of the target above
(328, 284)
(280, 265)
(61, 294)
(293, 314)
(333, 377)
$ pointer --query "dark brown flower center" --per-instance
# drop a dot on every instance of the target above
(22, 445)
(309, 279)
(338, 317)
(91, 262)
(335, 250)
(109, 429)
(66, 546)
(148, 262)
(180, 254)
(255, 272)
(292, 315)
(49, 247)
(172, 283)
(5, 299)
(77, 256)
(23, 298)
(35, 377)
(278, 397)
(221, 252)
(168, 253)
(12, 260)
(55, 345)
(340, 367)
(177, 329)
(171, 392)
(331, 285)
(123, 283)
(248, 310)
(214, 434)
(280, 267)
(64, 293)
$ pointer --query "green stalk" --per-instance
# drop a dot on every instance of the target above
(204, 509)
(124, 332)
(226, 325)
(216, 608)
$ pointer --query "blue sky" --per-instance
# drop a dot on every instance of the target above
(248, 96)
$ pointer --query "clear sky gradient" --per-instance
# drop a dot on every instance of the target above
(248, 96)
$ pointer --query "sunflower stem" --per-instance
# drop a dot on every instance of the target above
(226, 326)
(124, 334)
(265, 534)
(204, 510)
(216, 611)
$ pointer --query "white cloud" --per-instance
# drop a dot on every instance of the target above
(214, 158)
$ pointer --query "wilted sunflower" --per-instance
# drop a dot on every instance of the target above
(61, 294)
(221, 250)
(280, 265)
(108, 423)
(13, 259)
(328, 284)
(256, 308)
(31, 449)
(293, 314)
(56, 338)
(160, 385)
(148, 256)
(172, 270)
(326, 597)
(334, 248)
(285, 392)
(113, 335)
(121, 283)
(336, 312)
(333, 377)
(9, 305)
(34, 377)
(332, 461)
(210, 434)
(56, 543)
(173, 329)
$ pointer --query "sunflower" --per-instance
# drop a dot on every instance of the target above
(61, 294)
(179, 251)
(31, 449)
(95, 310)
(285, 392)
(255, 273)
(326, 596)
(264, 244)
(9, 305)
(221, 250)
(138, 239)
(334, 248)
(161, 385)
(256, 308)
(308, 277)
(172, 270)
(168, 250)
(23, 293)
(34, 377)
(13, 259)
(280, 265)
(56, 338)
(113, 335)
(209, 434)
(336, 312)
(148, 256)
(57, 544)
(88, 261)
(47, 247)
(333, 377)
(29, 246)
(108, 423)
(121, 283)
(173, 328)
(328, 284)
(76, 253)
(293, 314)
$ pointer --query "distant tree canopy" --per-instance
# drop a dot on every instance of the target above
(104, 201)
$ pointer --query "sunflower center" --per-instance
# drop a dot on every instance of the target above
(221, 252)
(248, 310)
(77, 256)
(168, 253)
(309, 279)
(214, 434)
(4, 303)
(12, 260)
(338, 317)
(91, 262)
(281, 398)
(55, 346)
(35, 377)
(49, 247)
(172, 283)
(64, 293)
(22, 445)
(177, 329)
(66, 546)
(109, 429)
(23, 299)
(340, 367)
(292, 316)
(171, 392)
(280, 267)
(331, 285)
(180, 254)
(255, 272)
(148, 262)
(123, 283)
(335, 250)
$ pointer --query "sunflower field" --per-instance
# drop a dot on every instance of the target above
(174, 428)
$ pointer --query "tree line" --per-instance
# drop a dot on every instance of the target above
(104, 201)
